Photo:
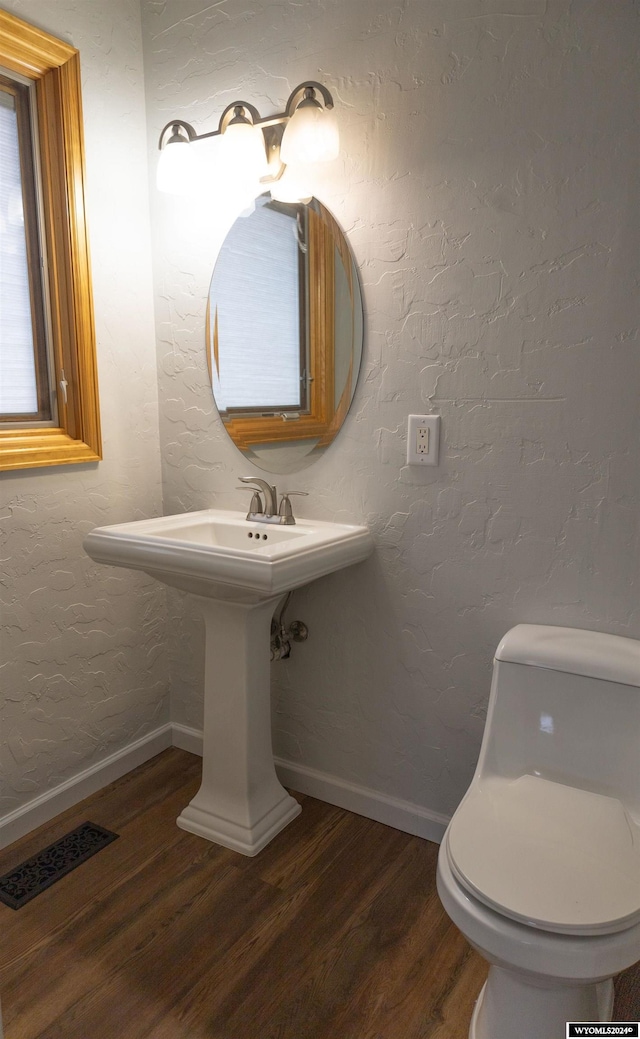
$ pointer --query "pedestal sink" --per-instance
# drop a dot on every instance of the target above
(239, 570)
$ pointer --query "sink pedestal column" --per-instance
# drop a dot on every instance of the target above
(241, 803)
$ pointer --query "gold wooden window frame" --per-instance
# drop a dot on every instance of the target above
(54, 66)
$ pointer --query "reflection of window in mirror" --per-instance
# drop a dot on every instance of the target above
(49, 399)
(287, 387)
(260, 323)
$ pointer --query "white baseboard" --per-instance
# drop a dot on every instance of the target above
(46, 806)
(403, 815)
(187, 739)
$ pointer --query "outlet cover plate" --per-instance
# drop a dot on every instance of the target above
(423, 439)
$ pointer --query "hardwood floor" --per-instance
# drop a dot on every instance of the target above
(334, 931)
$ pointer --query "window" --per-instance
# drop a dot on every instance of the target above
(49, 396)
(24, 371)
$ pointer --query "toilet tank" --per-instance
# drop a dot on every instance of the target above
(565, 705)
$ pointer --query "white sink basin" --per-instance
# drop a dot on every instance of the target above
(222, 555)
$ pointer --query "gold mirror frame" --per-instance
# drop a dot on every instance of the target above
(55, 68)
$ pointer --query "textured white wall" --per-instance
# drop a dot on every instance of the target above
(80, 644)
(486, 188)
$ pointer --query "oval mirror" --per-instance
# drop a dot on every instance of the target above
(284, 333)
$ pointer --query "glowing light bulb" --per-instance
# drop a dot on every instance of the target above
(176, 167)
(311, 135)
(243, 152)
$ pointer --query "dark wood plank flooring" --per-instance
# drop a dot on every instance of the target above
(334, 931)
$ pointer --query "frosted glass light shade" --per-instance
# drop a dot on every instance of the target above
(243, 152)
(293, 186)
(311, 135)
(176, 168)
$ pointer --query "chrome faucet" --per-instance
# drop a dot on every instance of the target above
(268, 511)
(270, 495)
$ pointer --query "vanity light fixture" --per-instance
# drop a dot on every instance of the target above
(311, 135)
(252, 147)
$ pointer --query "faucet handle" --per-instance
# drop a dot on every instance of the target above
(286, 512)
(256, 507)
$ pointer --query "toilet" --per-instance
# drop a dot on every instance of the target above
(540, 865)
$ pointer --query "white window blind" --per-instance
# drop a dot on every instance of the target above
(18, 394)
(255, 288)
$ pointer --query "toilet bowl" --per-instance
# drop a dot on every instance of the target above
(540, 864)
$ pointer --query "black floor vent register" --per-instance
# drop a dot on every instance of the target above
(42, 870)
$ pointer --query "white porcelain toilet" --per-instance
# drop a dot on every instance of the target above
(540, 865)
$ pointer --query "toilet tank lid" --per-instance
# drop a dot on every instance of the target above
(594, 654)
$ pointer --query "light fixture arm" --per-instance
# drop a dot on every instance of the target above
(300, 92)
(223, 123)
(230, 112)
(294, 100)
(173, 126)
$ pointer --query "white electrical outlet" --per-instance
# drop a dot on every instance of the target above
(423, 439)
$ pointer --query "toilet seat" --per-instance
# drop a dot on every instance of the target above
(554, 857)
